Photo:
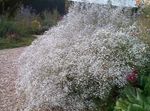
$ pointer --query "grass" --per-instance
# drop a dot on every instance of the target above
(7, 44)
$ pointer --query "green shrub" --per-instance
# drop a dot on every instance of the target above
(49, 19)
(136, 97)
(24, 25)
(14, 34)
(12, 29)
(7, 27)
(134, 100)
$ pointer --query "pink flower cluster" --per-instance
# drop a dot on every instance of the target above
(132, 77)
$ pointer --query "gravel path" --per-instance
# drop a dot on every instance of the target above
(8, 75)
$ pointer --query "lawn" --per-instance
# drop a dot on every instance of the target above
(24, 41)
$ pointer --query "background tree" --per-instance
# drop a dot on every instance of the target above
(48, 5)
(9, 6)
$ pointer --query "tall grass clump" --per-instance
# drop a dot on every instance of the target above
(76, 64)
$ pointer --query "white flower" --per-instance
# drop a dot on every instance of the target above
(78, 60)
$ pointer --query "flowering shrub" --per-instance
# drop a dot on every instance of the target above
(80, 60)
(136, 97)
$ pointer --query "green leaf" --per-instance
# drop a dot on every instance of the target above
(140, 98)
(130, 94)
(147, 87)
(121, 105)
(135, 107)
(148, 100)
(147, 107)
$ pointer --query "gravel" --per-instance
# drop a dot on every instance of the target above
(8, 75)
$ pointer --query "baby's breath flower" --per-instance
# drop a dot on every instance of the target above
(79, 60)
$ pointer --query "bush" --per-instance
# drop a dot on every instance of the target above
(14, 28)
(7, 27)
(76, 64)
(26, 23)
(36, 23)
(50, 19)
(136, 96)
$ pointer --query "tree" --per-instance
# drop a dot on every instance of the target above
(9, 6)
(49, 5)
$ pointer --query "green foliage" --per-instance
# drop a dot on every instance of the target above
(24, 25)
(136, 97)
(49, 19)
(15, 34)
(49, 5)
(134, 100)
(12, 29)
(146, 11)
(109, 103)
(9, 7)
(5, 27)
(6, 43)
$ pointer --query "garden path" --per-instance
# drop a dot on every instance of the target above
(8, 75)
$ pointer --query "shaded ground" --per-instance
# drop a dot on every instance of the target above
(8, 75)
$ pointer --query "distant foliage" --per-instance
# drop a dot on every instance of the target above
(9, 7)
(27, 22)
(75, 65)
(136, 96)
(10, 29)
(46, 5)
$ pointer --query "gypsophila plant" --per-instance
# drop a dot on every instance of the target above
(136, 95)
(78, 62)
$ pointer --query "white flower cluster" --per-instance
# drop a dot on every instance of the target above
(79, 60)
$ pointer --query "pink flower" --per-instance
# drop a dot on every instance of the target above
(132, 77)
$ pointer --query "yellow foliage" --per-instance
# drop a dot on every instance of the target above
(35, 24)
